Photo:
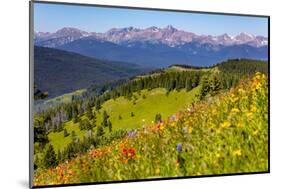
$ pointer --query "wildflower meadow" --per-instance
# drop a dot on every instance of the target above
(222, 134)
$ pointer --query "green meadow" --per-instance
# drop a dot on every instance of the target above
(144, 106)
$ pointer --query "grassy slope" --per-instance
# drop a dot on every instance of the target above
(58, 140)
(65, 98)
(156, 101)
(224, 134)
(176, 68)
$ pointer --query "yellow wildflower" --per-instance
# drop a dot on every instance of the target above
(226, 124)
(237, 152)
(249, 114)
(157, 171)
(258, 75)
(257, 86)
(240, 125)
(161, 127)
(235, 110)
(190, 130)
(241, 91)
(255, 132)
(253, 108)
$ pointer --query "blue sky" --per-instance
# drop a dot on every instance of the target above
(51, 17)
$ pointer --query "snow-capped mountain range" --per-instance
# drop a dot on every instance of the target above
(155, 47)
(168, 35)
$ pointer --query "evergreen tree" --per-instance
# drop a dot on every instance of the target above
(89, 113)
(210, 85)
(105, 119)
(40, 134)
(109, 126)
(98, 104)
(85, 125)
(65, 133)
(73, 135)
(158, 118)
(132, 114)
(59, 128)
(215, 85)
(100, 131)
(94, 120)
(205, 87)
(60, 158)
(49, 157)
(89, 126)
(75, 118)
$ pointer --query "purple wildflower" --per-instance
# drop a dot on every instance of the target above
(179, 147)
(173, 118)
(132, 134)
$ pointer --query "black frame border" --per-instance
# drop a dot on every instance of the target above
(31, 63)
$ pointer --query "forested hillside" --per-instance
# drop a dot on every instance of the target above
(58, 72)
